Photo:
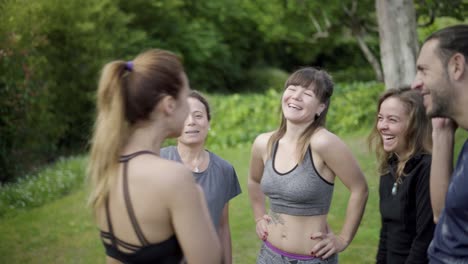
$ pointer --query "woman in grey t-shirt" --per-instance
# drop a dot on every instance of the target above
(216, 176)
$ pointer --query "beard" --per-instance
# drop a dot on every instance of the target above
(440, 107)
(442, 98)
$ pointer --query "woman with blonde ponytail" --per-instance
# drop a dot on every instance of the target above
(149, 210)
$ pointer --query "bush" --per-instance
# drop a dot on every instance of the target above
(353, 106)
(261, 79)
(238, 119)
(51, 52)
(49, 184)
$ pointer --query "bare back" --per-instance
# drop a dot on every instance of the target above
(166, 204)
(146, 187)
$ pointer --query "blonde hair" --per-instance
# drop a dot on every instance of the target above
(320, 82)
(418, 131)
(127, 93)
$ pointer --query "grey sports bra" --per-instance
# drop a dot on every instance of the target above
(301, 191)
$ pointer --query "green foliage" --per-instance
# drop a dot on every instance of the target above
(51, 52)
(439, 23)
(50, 56)
(262, 79)
(457, 9)
(238, 119)
(353, 106)
(51, 183)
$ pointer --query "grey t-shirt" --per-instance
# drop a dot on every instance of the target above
(219, 182)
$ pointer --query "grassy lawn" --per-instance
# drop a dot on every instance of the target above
(62, 231)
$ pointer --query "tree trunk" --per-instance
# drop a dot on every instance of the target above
(374, 62)
(398, 41)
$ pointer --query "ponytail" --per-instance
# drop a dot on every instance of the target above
(111, 130)
(127, 94)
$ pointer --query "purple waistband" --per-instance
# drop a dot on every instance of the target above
(287, 254)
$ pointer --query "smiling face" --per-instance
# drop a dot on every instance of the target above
(432, 81)
(392, 124)
(300, 105)
(196, 124)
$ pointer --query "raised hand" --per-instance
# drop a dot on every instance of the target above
(445, 124)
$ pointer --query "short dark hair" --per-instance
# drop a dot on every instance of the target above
(452, 40)
(197, 95)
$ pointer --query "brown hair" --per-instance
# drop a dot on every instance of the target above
(418, 131)
(127, 93)
(451, 40)
(320, 82)
(197, 95)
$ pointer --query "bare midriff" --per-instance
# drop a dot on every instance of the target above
(292, 233)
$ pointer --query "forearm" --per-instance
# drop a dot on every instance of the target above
(257, 199)
(226, 244)
(355, 210)
(441, 170)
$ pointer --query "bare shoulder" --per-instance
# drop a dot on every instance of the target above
(261, 141)
(324, 140)
(161, 175)
(260, 145)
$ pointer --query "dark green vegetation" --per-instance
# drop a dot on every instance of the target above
(51, 52)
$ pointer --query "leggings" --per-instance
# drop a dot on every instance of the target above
(269, 254)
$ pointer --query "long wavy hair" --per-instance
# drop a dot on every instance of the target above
(320, 82)
(418, 131)
(127, 93)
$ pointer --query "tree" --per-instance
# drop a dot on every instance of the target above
(398, 41)
(50, 55)
(398, 22)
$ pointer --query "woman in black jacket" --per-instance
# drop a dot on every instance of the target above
(401, 138)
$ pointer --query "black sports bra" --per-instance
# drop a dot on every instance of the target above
(165, 252)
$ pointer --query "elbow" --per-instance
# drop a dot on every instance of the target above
(365, 195)
(436, 218)
(361, 194)
(363, 191)
(436, 215)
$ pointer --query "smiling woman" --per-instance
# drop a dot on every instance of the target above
(402, 142)
(392, 124)
(217, 177)
(296, 166)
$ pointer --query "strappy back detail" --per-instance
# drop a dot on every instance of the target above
(126, 158)
(168, 249)
(126, 193)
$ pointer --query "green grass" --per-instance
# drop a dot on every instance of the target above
(52, 182)
(62, 231)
